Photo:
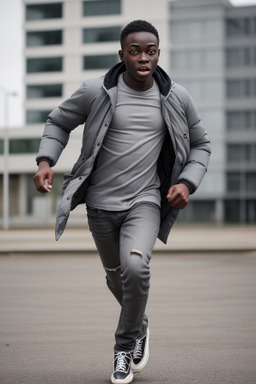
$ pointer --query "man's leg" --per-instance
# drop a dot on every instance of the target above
(105, 227)
(105, 231)
(137, 238)
(131, 234)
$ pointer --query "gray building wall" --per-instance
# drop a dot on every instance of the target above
(216, 63)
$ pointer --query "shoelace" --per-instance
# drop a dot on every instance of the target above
(121, 363)
(137, 353)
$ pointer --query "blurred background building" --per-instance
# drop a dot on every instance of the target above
(209, 46)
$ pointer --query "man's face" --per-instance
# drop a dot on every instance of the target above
(140, 54)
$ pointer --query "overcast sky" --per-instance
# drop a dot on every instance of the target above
(12, 66)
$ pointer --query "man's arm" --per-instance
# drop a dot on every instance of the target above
(200, 149)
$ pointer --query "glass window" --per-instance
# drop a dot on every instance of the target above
(246, 56)
(101, 7)
(233, 57)
(247, 26)
(236, 57)
(233, 27)
(45, 90)
(233, 88)
(238, 27)
(198, 211)
(196, 59)
(234, 120)
(204, 89)
(250, 181)
(240, 88)
(191, 30)
(94, 35)
(178, 60)
(24, 145)
(39, 38)
(36, 116)
(43, 11)
(238, 120)
(212, 58)
(235, 152)
(14, 195)
(99, 61)
(233, 182)
(247, 89)
(251, 211)
(44, 64)
(241, 152)
(232, 210)
(249, 153)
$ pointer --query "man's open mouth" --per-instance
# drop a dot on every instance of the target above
(144, 70)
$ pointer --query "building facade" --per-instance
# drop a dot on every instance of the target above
(213, 54)
(208, 46)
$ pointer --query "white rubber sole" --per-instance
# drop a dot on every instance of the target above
(127, 380)
(136, 368)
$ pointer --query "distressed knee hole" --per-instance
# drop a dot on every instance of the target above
(136, 252)
(112, 269)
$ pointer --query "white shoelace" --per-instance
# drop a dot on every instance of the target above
(137, 353)
(121, 362)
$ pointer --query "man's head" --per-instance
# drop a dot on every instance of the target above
(137, 26)
(140, 53)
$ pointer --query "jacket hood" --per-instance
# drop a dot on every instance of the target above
(163, 80)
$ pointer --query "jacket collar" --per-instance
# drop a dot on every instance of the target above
(163, 80)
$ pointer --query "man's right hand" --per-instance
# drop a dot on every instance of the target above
(44, 173)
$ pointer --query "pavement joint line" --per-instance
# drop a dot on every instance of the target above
(156, 251)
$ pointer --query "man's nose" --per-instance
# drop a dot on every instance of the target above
(143, 57)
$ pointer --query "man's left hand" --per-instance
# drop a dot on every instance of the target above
(178, 196)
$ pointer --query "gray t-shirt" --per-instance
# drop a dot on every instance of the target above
(126, 168)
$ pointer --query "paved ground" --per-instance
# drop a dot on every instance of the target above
(57, 319)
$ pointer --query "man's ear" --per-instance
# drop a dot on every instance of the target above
(159, 52)
(121, 55)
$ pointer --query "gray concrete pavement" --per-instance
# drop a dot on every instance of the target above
(183, 238)
(58, 319)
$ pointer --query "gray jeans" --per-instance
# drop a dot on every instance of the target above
(125, 240)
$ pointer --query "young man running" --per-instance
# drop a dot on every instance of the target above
(144, 152)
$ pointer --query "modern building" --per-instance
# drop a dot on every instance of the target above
(209, 46)
(213, 54)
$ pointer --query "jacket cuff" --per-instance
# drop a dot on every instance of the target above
(39, 159)
(189, 185)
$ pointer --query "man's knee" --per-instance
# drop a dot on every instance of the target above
(137, 269)
(114, 282)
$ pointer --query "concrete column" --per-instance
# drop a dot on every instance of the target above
(23, 195)
(219, 212)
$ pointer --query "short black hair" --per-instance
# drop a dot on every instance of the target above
(137, 26)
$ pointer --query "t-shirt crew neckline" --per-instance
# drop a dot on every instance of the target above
(133, 91)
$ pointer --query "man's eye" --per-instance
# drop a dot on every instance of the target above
(151, 52)
(134, 52)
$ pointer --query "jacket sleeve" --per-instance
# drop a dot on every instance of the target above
(200, 149)
(60, 122)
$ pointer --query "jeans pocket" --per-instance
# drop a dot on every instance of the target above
(92, 212)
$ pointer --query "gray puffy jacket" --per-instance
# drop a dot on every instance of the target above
(184, 155)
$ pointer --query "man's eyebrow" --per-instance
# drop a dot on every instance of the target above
(148, 45)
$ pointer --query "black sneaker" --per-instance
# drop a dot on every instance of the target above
(141, 353)
(122, 368)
